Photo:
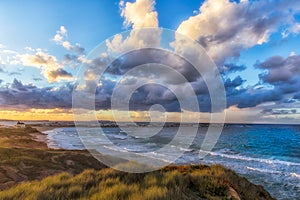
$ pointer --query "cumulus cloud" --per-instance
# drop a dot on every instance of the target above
(282, 73)
(225, 27)
(280, 69)
(238, 96)
(30, 96)
(145, 56)
(48, 64)
(247, 98)
(59, 74)
(237, 81)
(61, 38)
(139, 14)
(8, 57)
(282, 78)
(60, 34)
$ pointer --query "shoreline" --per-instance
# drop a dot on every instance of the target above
(44, 128)
(33, 160)
(266, 171)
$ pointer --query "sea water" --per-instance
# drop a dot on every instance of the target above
(267, 155)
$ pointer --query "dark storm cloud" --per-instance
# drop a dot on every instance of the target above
(147, 56)
(273, 62)
(18, 86)
(282, 73)
(144, 97)
(237, 81)
(59, 73)
(247, 98)
(61, 97)
(31, 96)
(280, 70)
(297, 96)
(152, 94)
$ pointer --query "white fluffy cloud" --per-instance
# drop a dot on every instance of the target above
(61, 38)
(139, 14)
(224, 27)
(60, 35)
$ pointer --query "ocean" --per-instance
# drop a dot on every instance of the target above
(268, 155)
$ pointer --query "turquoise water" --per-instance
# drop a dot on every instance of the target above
(268, 155)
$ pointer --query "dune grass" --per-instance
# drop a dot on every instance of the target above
(181, 182)
(29, 170)
(23, 164)
(11, 137)
(24, 158)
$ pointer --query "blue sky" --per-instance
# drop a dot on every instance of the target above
(258, 32)
(89, 22)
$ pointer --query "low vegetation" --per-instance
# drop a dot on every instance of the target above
(29, 170)
(18, 164)
(188, 182)
(12, 137)
(24, 158)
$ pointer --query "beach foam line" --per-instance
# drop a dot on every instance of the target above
(152, 155)
(295, 175)
(264, 170)
(262, 160)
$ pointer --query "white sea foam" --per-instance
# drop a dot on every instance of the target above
(152, 155)
(122, 137)
(263, 170)
(295, 175)
(262, 160)
(275, 171)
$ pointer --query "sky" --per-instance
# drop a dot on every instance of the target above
(254, 44)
